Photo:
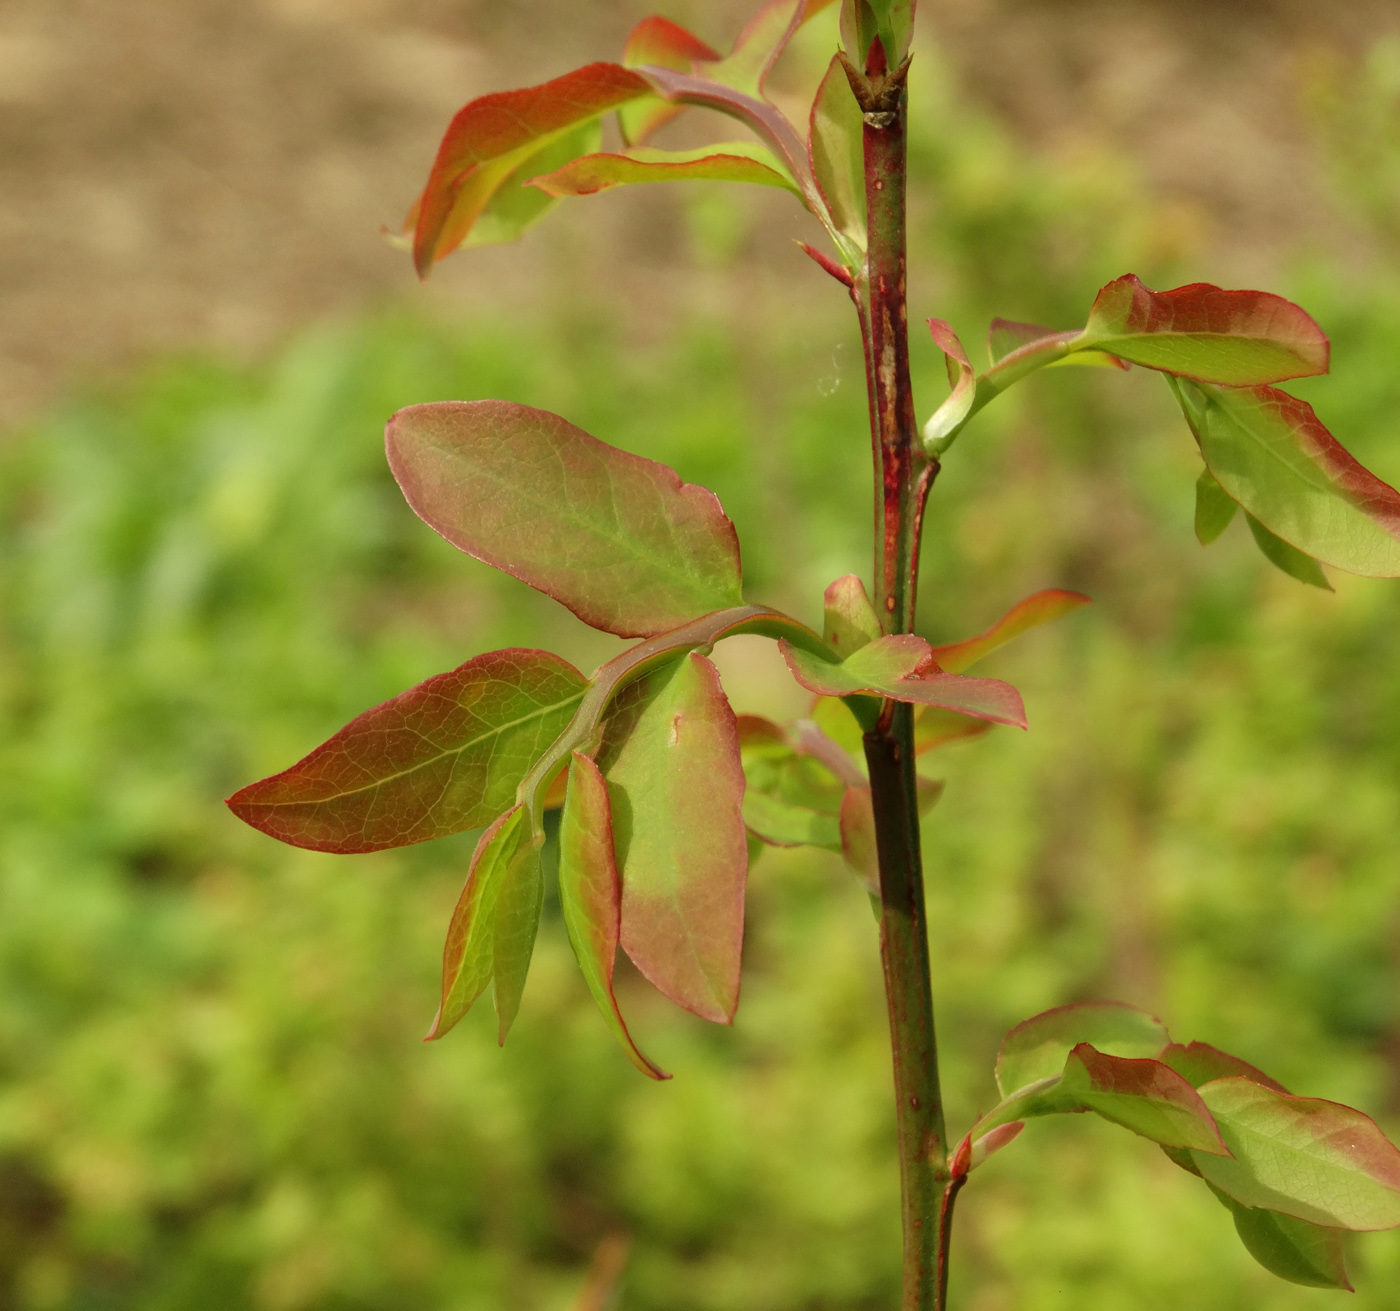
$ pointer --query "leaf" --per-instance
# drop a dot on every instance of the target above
(516, 206)
(661, 42)
(900, 666)
(1199, 1063)
(490, 138)
(590, 895)
(1295, 1250)
(949, 416)
(1021, 618)
(1005, 336)
(441, 758)
(731, 161)
(1214, 508)
(1311, 1159)
(935, 727)
(1270, 453)
(517, 917)
(989, 1144)
(763, 40)
(790, 800)
(1291, 560)
(858, 837)
(891, 20)
(1143, 1095)
(836, 151)
(1238, 338)
(671, 758)
(850, 619)
(468, 958)
(618, 539)
(1038, 1048)
(782, 824)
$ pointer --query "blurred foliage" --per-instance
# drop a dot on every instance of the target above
(211, 1093)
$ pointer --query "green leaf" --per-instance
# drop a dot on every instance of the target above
(1199, 1063)
(836, 149)
(729, 161)
(901, 667)
(468, 958)
(1311, 1159)
(1270, 453)
(670, 755)
(518, 909)
(516, 205)
(489, 140)
(590, 895)
(850, 618)
(1021, 618)
(790, 799)
(1238, 338)
(665, 44)
(1143, 1095)
(1291, 560)
(1214, 508)
(891, 20)
(618, 539)
(950, 416)
(441, 758)
(1038, 1048)
(1006, 336)
(1293, 1249)
(783, 824)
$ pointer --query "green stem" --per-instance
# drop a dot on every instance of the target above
(904, 474)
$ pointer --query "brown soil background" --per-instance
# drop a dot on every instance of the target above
(210, 174)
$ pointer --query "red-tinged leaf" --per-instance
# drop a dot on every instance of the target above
(950, 415)
(618, 539)
(890, 20)
(1038, 1048)
(828, 265)
(836, 152)
(989, 1144)
(590, 895)
(935, 727)
(468, 958)
(731, 161)
(1199, 1063)
(1006, 336)
(1292, 1249)
(900, 667)
(1287, 558)
(763, 40)
(858, 837)
(517, 921)
(441, 758)
(1311, 1159)
(1238, 338)
(665, 44)
(1270, 453)
(850, 621)
(493, 135)
(1021, 618)
(670, 755)
(515, 206)
(1214, 508)
(1143, 1095)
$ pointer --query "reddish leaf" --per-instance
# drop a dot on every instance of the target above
(836, 152)
(618, 539)
(468, 958)
(671, 758)
(493, 135)
(763, 40)
(1239, 338)
(950, 415)
(1037, 1048)
(665, 44)
(1199, 1063)
(1312, 1159)
(733, 161)
(850, 621)
(590, 895)
(441, 758)
(1021, 618)
(1270, 453)
(991, 1143)
(901, 667)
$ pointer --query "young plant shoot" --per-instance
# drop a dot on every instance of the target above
(666, 794)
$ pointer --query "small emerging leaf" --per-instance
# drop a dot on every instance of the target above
(901, 667)
(858, 837)
(1270, 453)
(1238, 338)
(950, 415)
(590, 895)
(1214, 508)
(892, 21)
(836, 151)
(676, 784)
(1311, 1159)
(1038, 1048)
(850, 618)
(441, 758)
(730, 161)
(1288, 558)
(989, 1144)
(618, 539)
(1292, 1249)
(1021, 618)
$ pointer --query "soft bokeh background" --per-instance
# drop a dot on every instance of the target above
(212, 1092)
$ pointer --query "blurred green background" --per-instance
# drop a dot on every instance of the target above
(212, 1092)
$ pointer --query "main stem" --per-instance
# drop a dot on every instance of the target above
(904, 474)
